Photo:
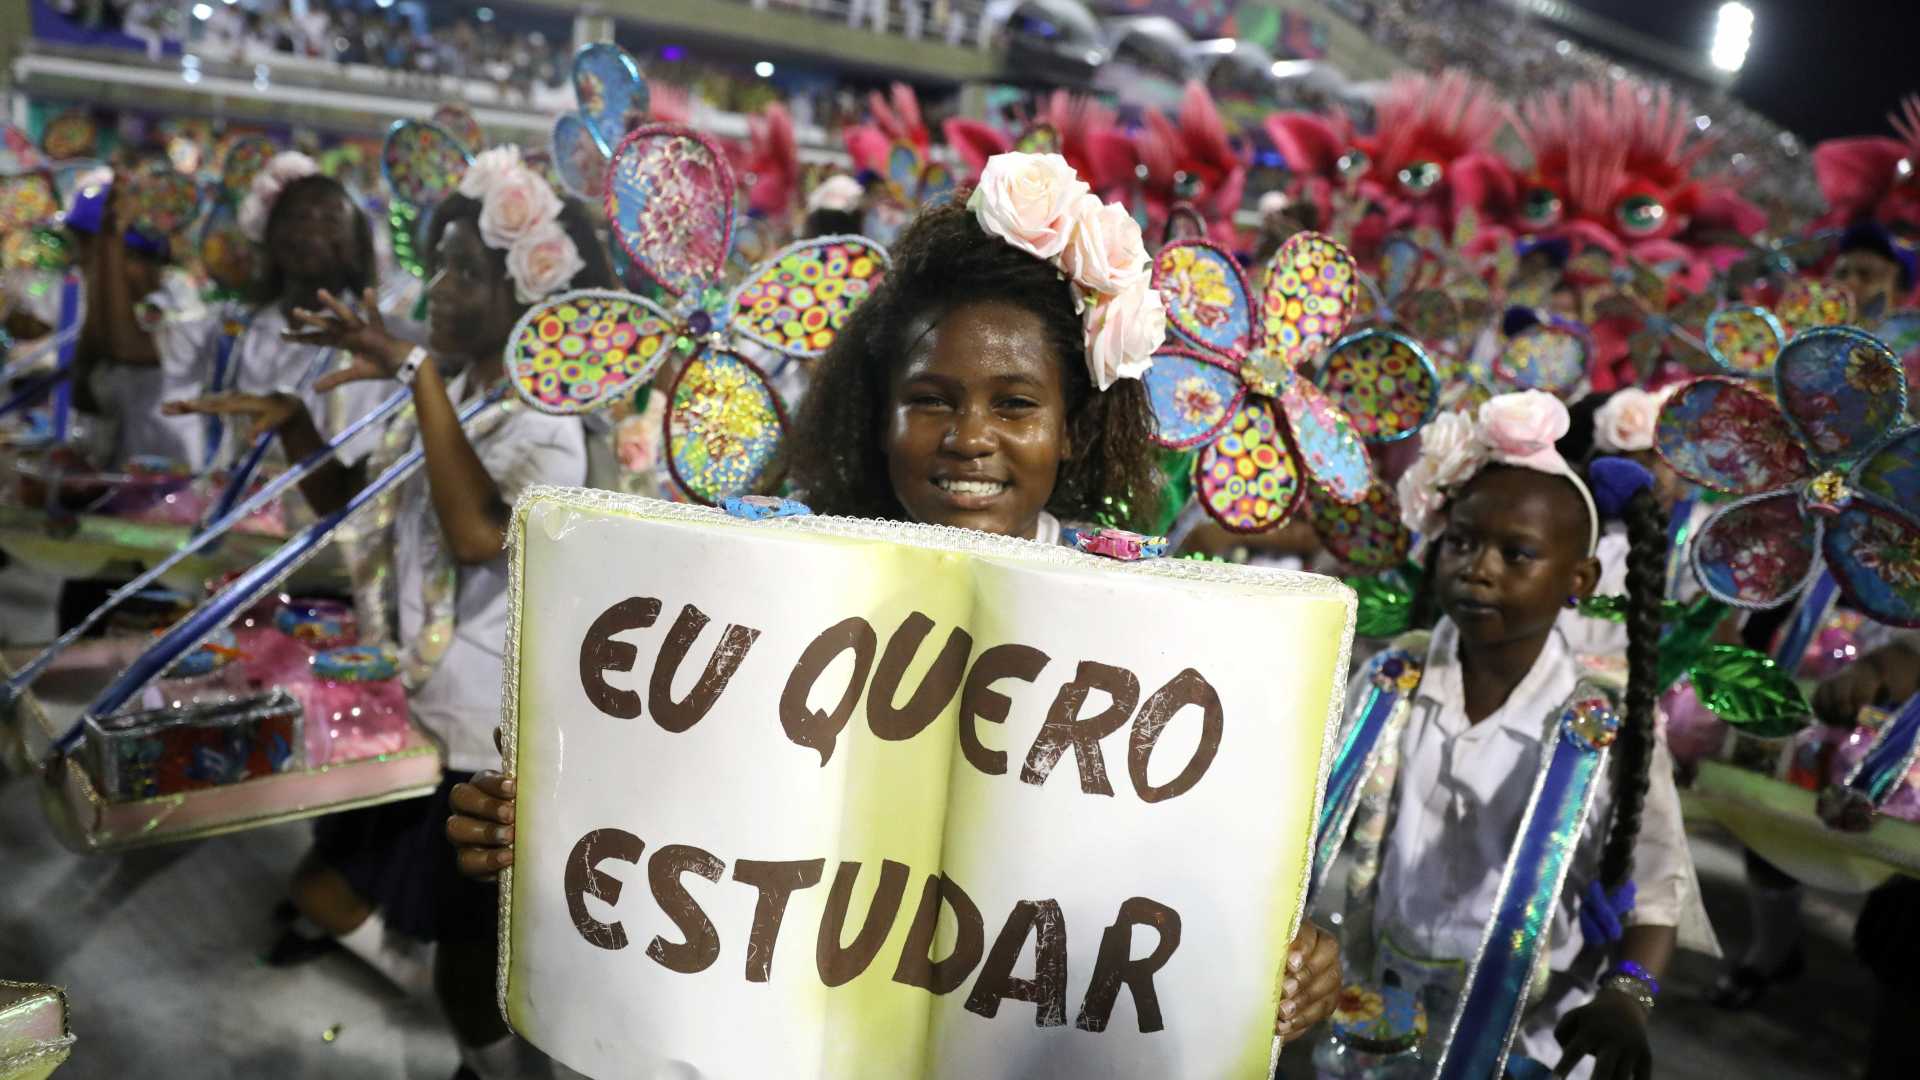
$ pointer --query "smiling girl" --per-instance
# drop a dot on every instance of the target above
(990, 383)
(505, 242)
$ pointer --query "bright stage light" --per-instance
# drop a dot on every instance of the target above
(764, 69)
(1731, 36)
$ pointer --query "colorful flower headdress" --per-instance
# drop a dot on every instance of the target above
(1517, 429)
(520, 215)
(1237, 386)
(612, 97)
(1823, 475)
(1037, 203)
(670, 194)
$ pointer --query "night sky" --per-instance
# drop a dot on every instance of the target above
(1820, 68)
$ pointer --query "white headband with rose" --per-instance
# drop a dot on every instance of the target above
(520, 215)
(1037, 203)
(1512, 429)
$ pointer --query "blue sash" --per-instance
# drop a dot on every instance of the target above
(1571, 765)
(1393, 676)
(1808, 616)
(1890, 758)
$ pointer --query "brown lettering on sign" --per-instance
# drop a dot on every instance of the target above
(777, 882)
(1184, 689)
(1065, 728)
(812, 728)
(1113, 966)
(702, 944)
(1047, 990)
(599, 654)
(917, 966)
(979, 699)
(583, 878)
(678, 716)
(841, 965)
(936, 687)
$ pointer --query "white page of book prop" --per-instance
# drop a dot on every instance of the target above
(818, 797)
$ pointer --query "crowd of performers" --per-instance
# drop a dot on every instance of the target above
(1585, 428)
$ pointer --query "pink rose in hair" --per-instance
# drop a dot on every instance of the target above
(1104, 252)
(1523, 425)
(1123, 331)
(488, 168)
(1027, 200)
(518, 203)
(542, 262)
(1625, 423)
(1451, 452)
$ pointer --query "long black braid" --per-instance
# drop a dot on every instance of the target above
(1633, 750)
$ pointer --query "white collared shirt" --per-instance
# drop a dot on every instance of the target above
(1459, 801)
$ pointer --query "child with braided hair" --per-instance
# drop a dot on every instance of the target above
(1514, 529)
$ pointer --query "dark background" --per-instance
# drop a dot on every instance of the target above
(1820, 68)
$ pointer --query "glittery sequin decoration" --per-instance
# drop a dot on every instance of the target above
(1549, 356)
(1874, 555)
(1247, 479)
(457, 120)
(1842, 389)
(610, 92)
(1744, 340)
(1329, 448)
(1901, 333)
(723, 427)
(1756, 552)
(241, 159)
(1206, 298)
(580, 350)
(1309, 297)
(163, 200)
(421, 163)
(1384, 382)
(1192, 397)
(1368, 535)
(26, 200)
(801, 297)
(1807, 303)
(225, 250)
(1716, 432)
(669, 198)
(577, 157)
(1430, 315)
(70, 135)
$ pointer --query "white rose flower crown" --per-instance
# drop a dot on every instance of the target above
(1037, 203)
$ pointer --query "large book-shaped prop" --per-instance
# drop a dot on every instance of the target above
(817, 797)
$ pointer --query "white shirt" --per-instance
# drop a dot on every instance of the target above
(1458, 804)
(187, 338)
(459, 704)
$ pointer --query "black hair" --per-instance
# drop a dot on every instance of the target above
(942, 260)
(359, 276)
(574, 219)
(1577, 443)
(826, 222)
(1646, 525)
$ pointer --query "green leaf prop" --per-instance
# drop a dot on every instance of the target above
(1688, 639)
(1615, 609)
(1386, 607)
(1747, 690)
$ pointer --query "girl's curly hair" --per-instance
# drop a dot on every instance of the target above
(941, 261)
